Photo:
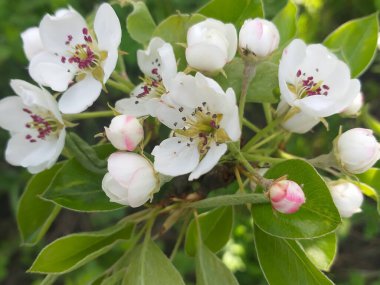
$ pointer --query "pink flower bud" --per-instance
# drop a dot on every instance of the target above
(125, 132)
(286, 196)
(259, 36)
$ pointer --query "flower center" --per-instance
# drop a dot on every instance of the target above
(203, 126)
(307, 86)
(45, 125)
(85, 56)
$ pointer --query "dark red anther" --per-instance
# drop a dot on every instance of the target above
(299, 73)
(85, 31)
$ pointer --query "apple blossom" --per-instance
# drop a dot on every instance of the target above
(130, 179)
(259, 37)
(286, 196)
(125, 132)
(71, 52)
(203, 118)
(210, 45)
(159, 66)
(354, 108)
(357, 150)
(347, 197)
(36, 127)
(312, 79)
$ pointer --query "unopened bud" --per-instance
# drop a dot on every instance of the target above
(259, 37)
(354, 109)
(125, 132)
(347, 198)
(357, 150)
(286, 196)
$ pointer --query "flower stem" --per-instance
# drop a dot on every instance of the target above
(180, 237)
(89, 115)
(251, 126)
(248, 74)
(119, 86)
(123, 78)
(255, 157)
(267, 112)
(266, 183)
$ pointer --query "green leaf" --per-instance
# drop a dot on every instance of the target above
(369, 121)
(34, 215)
(174, 30)
(263, 86)
(229, 200)
(286, 23)
(355, 42)
(230, 11)
(72, 251)
(210, 270)
(85, 154)
(317, 217)
(140, 24)
(283, 262)
(370, 184)
(272, 7)
(76, 188)
(216, 227)
(150, 266)
(321, 251)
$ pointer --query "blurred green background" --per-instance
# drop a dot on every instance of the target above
(358, 259)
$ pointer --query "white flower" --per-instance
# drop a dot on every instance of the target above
(210, 45)
(296, 121)
(125, 132)
(357, 150)
(131, 179)
(355, 107)
(286, 196)
(203, 118)
(72, 53)
(347, 198)
(259, 37)
(36, 127)
(312, 79)
(159, 66)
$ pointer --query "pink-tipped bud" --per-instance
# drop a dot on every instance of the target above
(286, 196)
(125, 132)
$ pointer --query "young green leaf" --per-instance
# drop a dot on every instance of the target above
(370, 184)
(321, 251)
(85, 154)
(229, 11)
(355, 42)
(140, 24)
(284, 262)
(150, 266)
(286, 23)
(210, 270)
(317, 217)
(76, 188)
(72, 251)
(34, 215)
(216, 227)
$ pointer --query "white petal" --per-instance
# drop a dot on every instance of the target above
(48, 70)
(80, 96)
(209, 161)
(12, 117)
(109, 63)
(231, 95)
(174, 157)
(31, 41)
(300, 123)
(168, 63)
(32, 96)
(114, 190)
(230, 123)
(55, 30)
(107, 28)
(206, 57)
(128, 106)
(21, 152)
(292, 57)
(231, 35)
(169, 116)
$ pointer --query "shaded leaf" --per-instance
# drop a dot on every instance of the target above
(140, 24)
